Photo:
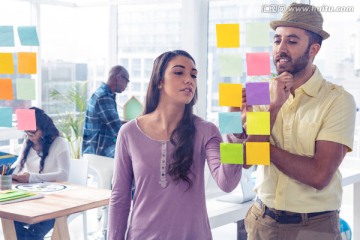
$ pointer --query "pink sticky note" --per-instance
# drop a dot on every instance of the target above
(258, 63)
(26, 119)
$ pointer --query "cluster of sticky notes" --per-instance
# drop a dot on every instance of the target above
(257, 35)
(258, 123)
(25, 118)
(27, 36)
(257, 93)
(22, 63)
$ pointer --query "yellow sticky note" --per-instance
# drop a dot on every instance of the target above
(258, 153)
(6, 89)
(230, 94)
(6, 63)
(231, 153)
(258, 123)
(228, 35)
(27, 63)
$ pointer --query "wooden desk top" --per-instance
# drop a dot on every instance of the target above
(57, 204)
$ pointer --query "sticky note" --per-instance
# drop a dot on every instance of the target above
(258, 63)
(7, 36)
(230, 122)
(28, 36)
(258, 123)
(6, 89)
(5, 117)
(25, 89)
(257, 93)
(228, 35)
(258, 153)
(230, 65)
(27, 63)
(257, 34)
(231, 153)
(26, 119)
(230, 94)
(6, 63)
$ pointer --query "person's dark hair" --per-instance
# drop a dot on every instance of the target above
(183, 135)
(49, 133)
(313, 38)
(115, 70)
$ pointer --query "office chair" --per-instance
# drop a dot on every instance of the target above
(102, 169)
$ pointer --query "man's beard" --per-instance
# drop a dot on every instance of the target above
(298, 65)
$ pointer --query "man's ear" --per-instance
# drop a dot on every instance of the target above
(314, 49)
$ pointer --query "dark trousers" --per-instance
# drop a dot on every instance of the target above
(35, 231)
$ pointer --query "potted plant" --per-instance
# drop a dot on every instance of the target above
(70, 123)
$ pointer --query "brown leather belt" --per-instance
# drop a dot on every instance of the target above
(284, 217)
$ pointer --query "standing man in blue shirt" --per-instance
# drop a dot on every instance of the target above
(102, 122)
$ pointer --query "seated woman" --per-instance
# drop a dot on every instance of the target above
(44, 157)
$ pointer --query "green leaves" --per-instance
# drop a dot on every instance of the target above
(70, 122)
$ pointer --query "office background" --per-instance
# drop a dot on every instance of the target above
(81, 39)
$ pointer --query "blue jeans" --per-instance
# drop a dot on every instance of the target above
(35, 231)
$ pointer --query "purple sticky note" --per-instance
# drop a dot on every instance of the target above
(257, 93)
(258, 63)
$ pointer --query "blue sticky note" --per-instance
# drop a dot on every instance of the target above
(28, 36)
(5, 117)
(230, 122)
(257, 93)
(7, 36)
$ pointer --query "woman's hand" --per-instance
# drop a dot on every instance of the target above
(22, 177)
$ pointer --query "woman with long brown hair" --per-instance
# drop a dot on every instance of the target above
(164, 153)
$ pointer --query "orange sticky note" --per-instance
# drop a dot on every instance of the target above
(6, 63)
(6, 89)
(230, 94)
(258, 63)
(228, 35)
(258, 153)
(27, 63)
(231, 153)
(26, 119)
(258, 123)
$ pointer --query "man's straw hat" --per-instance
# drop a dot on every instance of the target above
(302, 16)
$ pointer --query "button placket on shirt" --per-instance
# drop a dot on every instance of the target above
(163, 182)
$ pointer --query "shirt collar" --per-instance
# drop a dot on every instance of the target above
(107, 89)
(312, 86)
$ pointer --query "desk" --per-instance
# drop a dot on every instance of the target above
(222, 213)
(350, 169)
(56, 205)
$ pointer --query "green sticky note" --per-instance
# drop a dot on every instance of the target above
(25, 89)
(231, 65)
(230, 94)
(231, 153)
(7, 36)
(228, 35)
(257, 34)
(258, 153)
(258, 123)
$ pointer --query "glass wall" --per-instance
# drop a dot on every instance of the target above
(145, 30)
(74, 49)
